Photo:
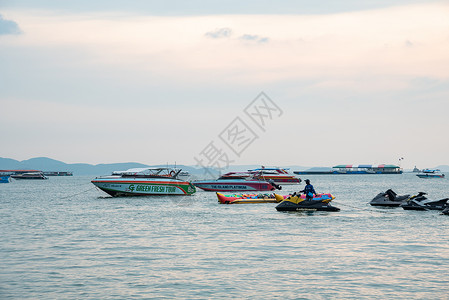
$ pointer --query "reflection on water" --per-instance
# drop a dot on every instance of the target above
(61, 238)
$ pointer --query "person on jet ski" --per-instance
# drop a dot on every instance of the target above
(308, 190)
(391, 195)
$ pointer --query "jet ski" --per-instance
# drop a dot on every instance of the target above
(388, 199)
(298, 203)
(421, 202)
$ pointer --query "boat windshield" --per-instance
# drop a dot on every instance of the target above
(430, 170)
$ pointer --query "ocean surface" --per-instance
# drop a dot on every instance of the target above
(63, 239)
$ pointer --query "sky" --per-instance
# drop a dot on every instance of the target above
(211, 83)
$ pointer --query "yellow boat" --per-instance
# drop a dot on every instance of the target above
(248, 198)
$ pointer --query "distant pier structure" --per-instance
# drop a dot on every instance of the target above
(57, 173)
(355, 169)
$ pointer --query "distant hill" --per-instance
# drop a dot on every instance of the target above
(443, 168)
(321, 169)
(48, 164)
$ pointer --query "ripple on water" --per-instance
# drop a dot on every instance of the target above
(92, 246)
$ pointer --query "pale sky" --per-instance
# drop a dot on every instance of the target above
(140, 81)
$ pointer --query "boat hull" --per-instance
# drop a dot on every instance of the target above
(20, 177)
(139, 187)
(387, 204)
(234, 186)
(302, 206)
(430, 175)
(280, 180)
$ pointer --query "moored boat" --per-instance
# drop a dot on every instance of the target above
(247, 198)
(144, 182)
(277, 175)
(430, 173)
(31, 175)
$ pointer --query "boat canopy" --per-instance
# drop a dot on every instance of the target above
(277, 170)
(145, 171)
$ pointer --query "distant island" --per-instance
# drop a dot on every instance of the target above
(51, 165)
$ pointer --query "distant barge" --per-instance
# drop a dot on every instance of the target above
(58, 173)
(355, 169)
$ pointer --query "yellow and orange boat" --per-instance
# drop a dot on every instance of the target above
(248, 198)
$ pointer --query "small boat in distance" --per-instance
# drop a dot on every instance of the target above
(31, 175)
(430, 173)
(4, 178)
(144, 182)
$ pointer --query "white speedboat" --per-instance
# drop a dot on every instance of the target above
(277, 175)
(144, 181)
(430, 173)
(30, 175)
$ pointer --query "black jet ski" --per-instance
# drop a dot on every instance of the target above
(389, 199)
(297, 203)
(421, 202)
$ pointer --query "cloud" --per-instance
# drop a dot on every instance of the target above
(255, 38)
(113, 65)
(8, 27)
(219, 33)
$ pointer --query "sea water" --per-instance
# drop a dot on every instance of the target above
(63, 239)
